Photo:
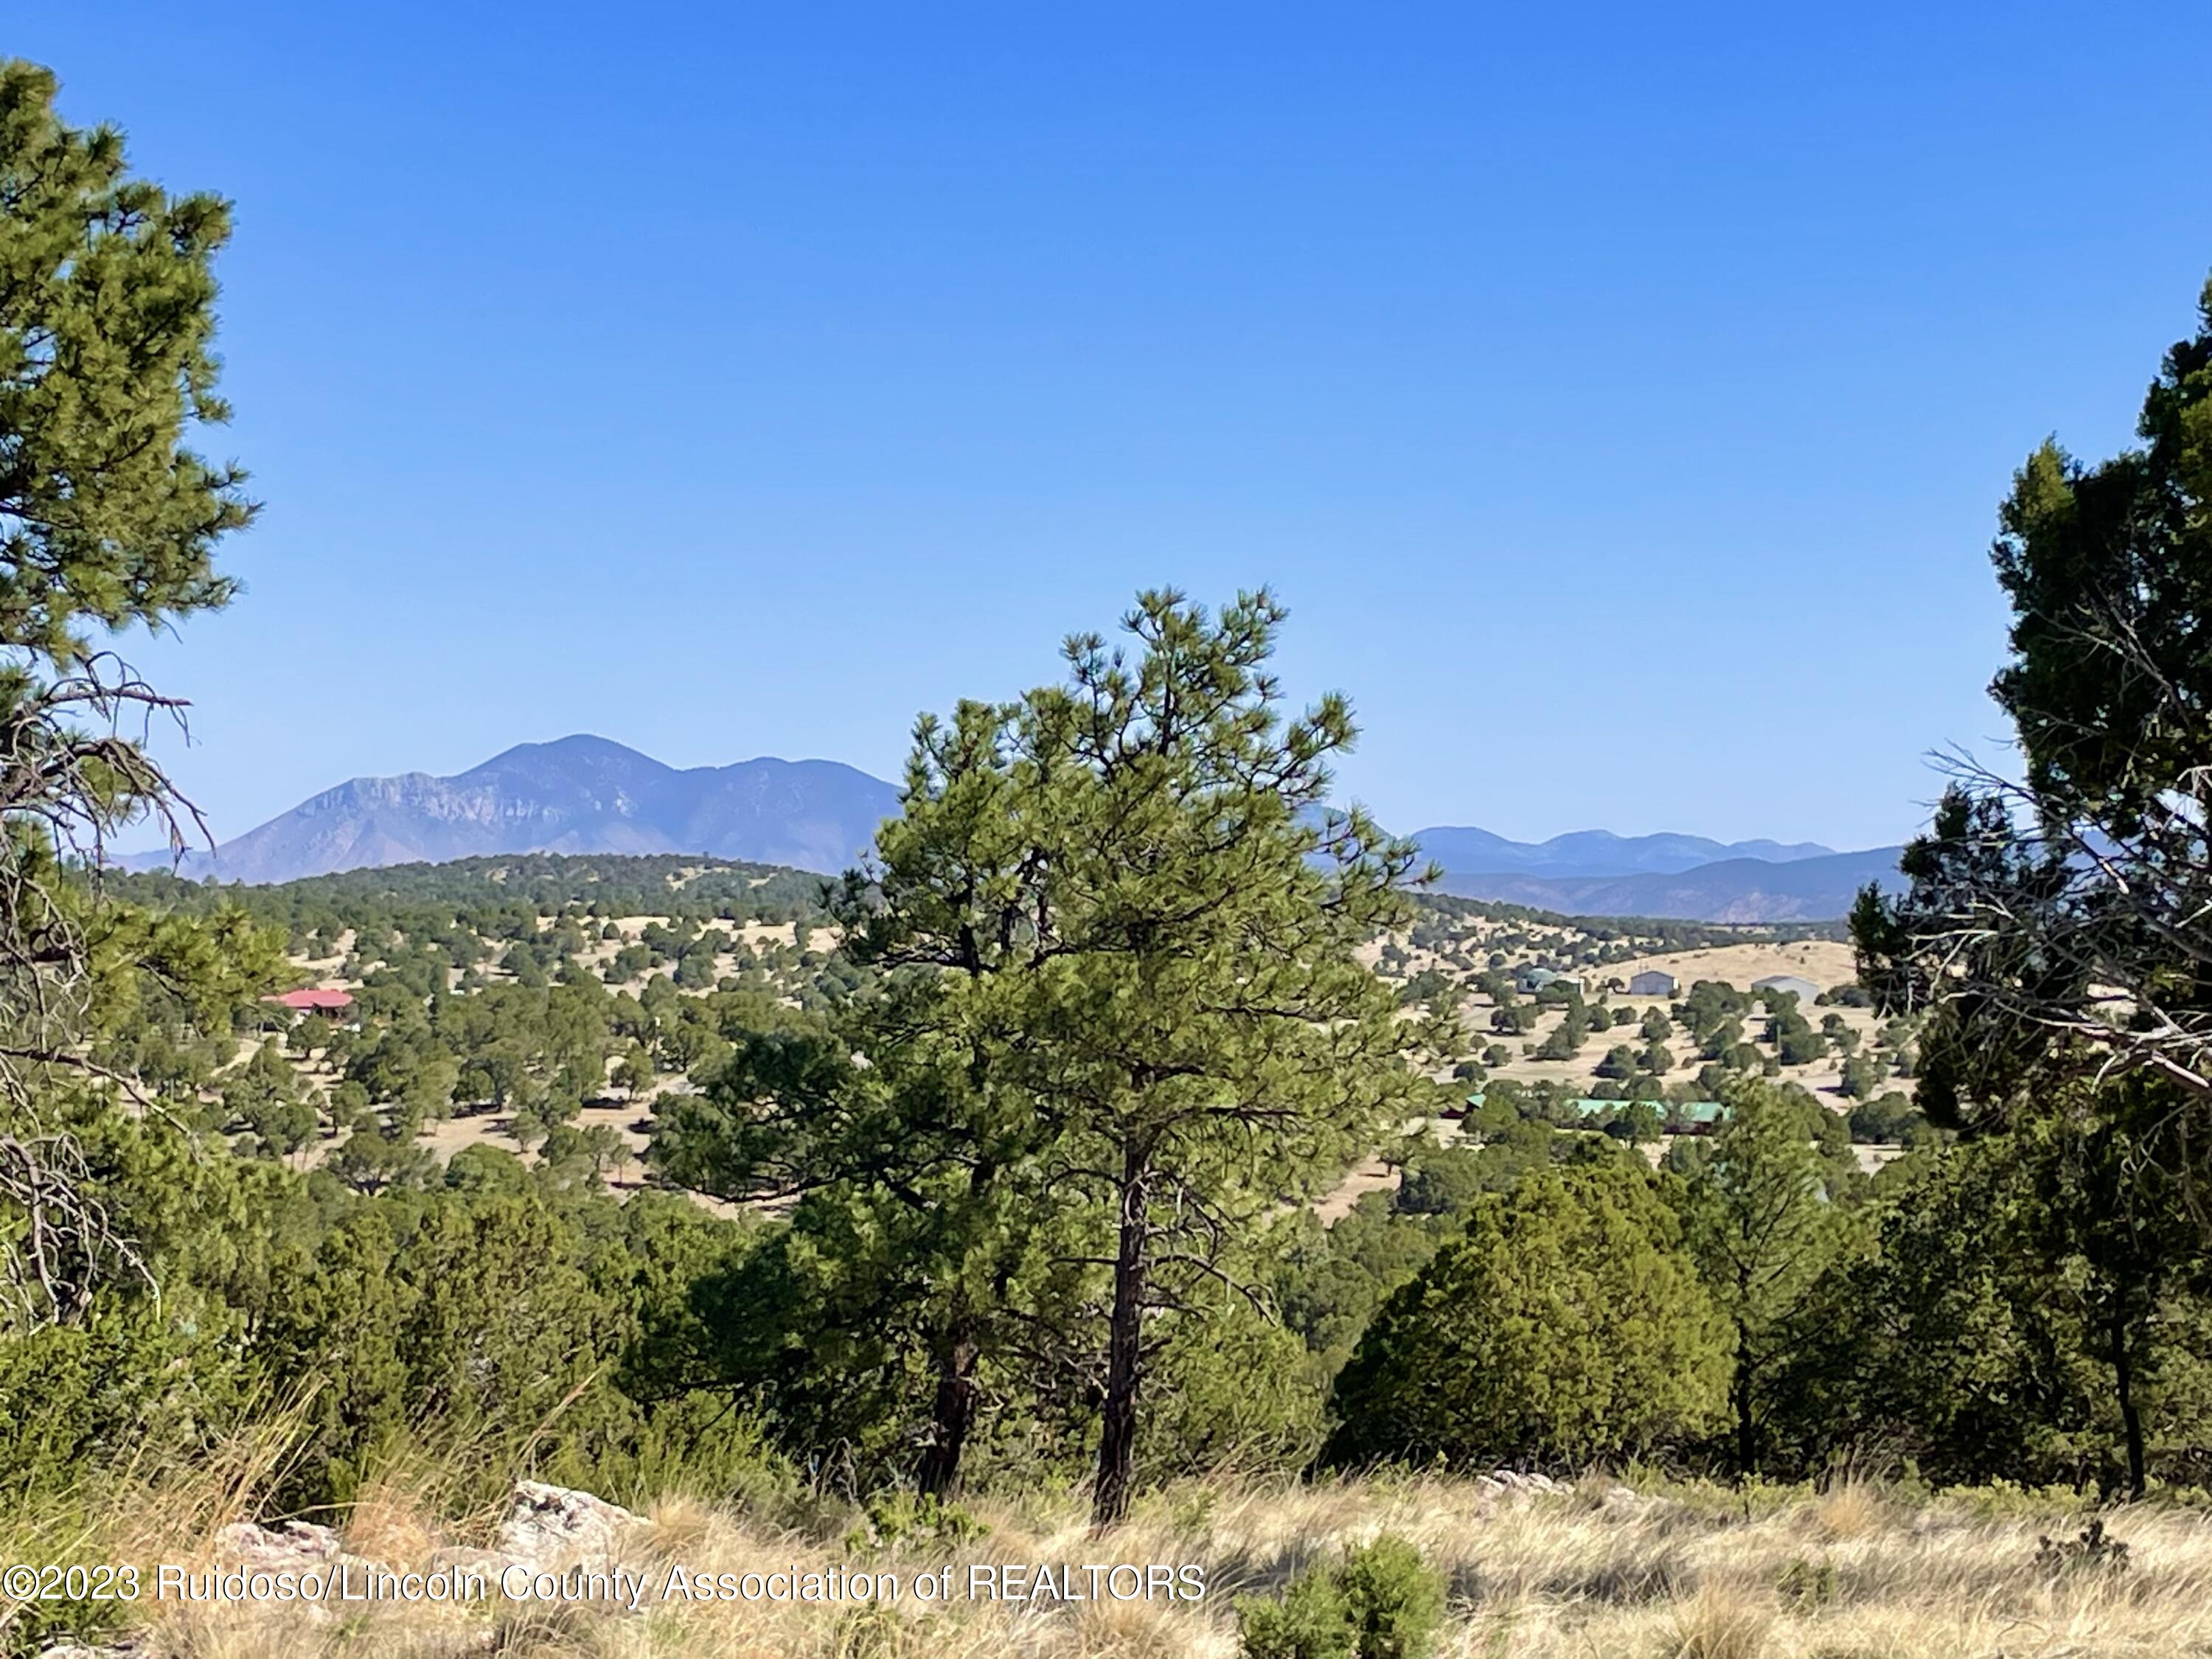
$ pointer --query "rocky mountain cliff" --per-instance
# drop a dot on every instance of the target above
(578, 795)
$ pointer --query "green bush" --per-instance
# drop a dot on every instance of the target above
(1381, 1601)
(135, 1376)
(1565, 1325)
(907, 1519)
(1235, 1390)
(1396, 1599)
(1311, 1621)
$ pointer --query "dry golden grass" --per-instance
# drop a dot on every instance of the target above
(1720, 1621)
(1694, 1573)
(1851, 1509)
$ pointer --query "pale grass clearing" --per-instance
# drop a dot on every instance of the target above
(1825, 961)
(1590, 1571)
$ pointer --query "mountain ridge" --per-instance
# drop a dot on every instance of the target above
(576, 794)
(584, 794)
(1726, 891)
(1598, 851)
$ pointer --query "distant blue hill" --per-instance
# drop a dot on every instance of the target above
(1735, 890)
(1598, 853)
(578, 795)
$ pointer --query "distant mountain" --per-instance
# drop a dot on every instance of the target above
(586, 794)
(1739, 890)
(1598, 853)
(579, 794)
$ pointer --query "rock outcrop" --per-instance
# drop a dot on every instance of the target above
(553, 1526)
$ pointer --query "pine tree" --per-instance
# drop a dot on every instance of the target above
(1133, 883)
(108, 520)
(1762, 1229)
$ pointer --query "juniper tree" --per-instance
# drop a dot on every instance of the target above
(2056, 927)
(1566, 1324)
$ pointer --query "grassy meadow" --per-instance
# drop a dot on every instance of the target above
(1642, 1568)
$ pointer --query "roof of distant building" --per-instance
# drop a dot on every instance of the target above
(1805, 987)
(313, 997)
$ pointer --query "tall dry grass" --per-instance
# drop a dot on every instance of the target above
(1859, 1571)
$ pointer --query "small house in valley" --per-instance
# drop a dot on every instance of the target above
(1532, 979)
(1651, 982)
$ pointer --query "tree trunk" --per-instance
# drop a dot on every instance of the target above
(952, 1417)
(1746, 1440)
(1117, 1439)
(2123, 1387)
(954, 1414)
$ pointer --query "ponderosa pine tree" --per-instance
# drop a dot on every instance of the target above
(1133, 882)
(914, 1233)
(902, 1126)
(108, 520)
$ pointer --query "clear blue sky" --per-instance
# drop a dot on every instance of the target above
(1618, 395)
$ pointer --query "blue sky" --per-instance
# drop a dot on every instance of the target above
(1620, 396)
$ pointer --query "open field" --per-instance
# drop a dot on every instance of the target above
(1592, 1571)
(1825, 961)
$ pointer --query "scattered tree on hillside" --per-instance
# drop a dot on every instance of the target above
(264, 1097)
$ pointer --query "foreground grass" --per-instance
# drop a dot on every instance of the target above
(1675, 1572)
